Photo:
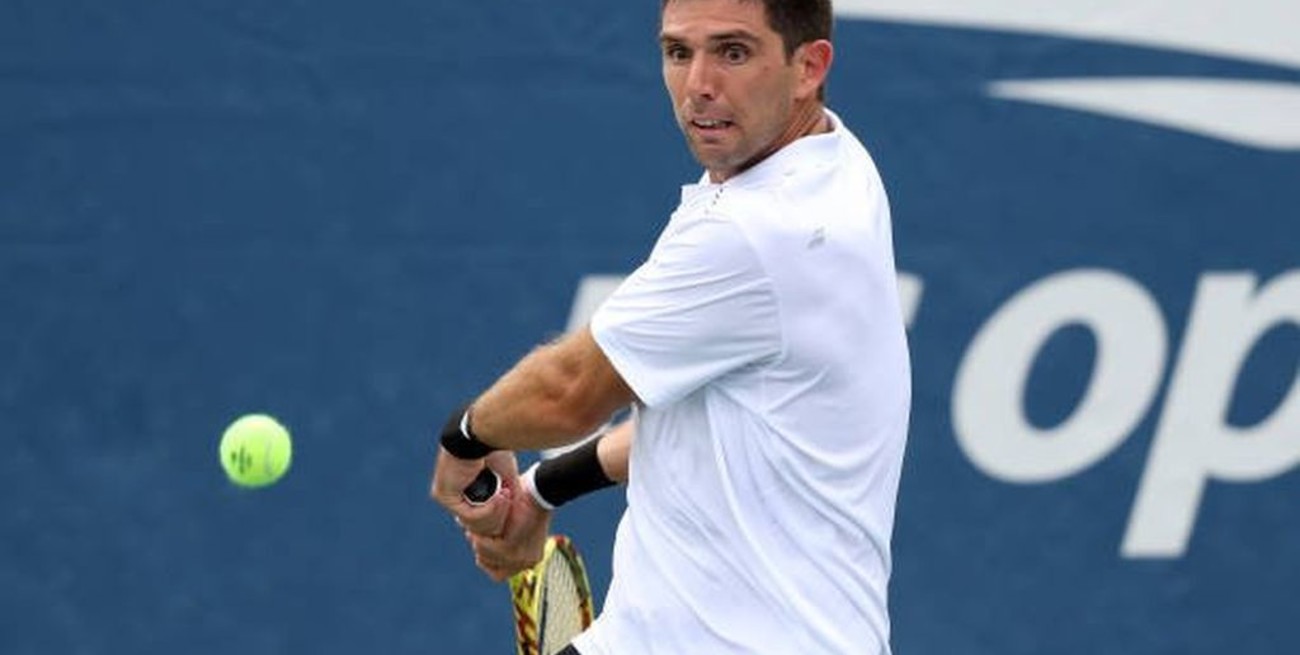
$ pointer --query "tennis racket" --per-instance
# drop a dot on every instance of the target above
(552, 600)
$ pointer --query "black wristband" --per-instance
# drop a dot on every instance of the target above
(458, 440)
(575, 473)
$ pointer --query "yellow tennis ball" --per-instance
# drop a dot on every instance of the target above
(255, 450)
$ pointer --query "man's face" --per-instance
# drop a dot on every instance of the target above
(732, 88)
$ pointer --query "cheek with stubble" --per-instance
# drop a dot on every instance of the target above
(713, 128)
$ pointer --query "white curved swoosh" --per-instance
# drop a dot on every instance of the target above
(1266, 31)
(1251, 113)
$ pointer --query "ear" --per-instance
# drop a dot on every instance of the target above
(813, 60)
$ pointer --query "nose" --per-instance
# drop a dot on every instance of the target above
(700, 80)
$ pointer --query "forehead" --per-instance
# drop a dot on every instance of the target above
(691, 20)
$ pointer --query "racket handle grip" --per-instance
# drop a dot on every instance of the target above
(483, 488)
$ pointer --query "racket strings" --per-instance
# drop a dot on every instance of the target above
(561, 607)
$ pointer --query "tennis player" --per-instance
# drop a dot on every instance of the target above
(762, 349)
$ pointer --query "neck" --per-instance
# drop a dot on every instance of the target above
(807, 120)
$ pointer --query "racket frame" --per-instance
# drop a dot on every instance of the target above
(526, 593)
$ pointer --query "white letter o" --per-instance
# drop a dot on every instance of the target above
(988, 415)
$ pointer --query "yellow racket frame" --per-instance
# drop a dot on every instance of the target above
(526, 596)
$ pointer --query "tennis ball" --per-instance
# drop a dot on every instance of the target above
(255, 450)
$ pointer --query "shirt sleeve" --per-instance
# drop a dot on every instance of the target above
(701, 306)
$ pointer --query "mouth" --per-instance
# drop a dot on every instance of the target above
(710, 125)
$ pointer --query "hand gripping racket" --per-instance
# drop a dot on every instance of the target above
(552, 600)
(483, 488)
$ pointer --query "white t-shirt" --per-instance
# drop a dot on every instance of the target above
(765, 342)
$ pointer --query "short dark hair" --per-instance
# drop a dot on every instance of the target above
(797, 21)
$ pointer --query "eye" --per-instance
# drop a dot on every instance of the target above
(735, 53)
(676, 53)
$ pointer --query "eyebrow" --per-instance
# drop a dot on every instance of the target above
(734, 35)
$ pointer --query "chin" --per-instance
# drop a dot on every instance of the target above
(712, 159)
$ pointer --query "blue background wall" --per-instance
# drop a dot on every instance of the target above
(355, 215)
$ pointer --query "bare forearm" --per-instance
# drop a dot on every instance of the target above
(524, 409)
(557, 394)
(614, 449)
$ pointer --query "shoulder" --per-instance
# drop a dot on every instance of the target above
(719, 239)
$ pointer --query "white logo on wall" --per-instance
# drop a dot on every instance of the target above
(1257, 113)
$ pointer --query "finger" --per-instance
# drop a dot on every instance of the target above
(506, 563)
(488, 519)
(496, 553)
(450, 478)
(485, 525)
(498, 571)
(487, 549)
(496, 574)
(493, 566)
